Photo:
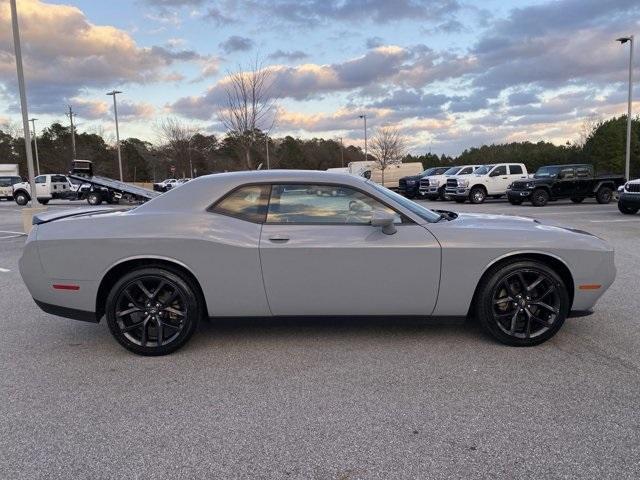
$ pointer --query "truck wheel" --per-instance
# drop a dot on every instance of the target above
(94, 198)
(515, 201)
(43, 201)
(604, 195)
(21, 198)
(577, 199)
(540, 197)
(627, 210)
(442, 194)
(477, 195)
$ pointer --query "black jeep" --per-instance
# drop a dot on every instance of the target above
(554, 182)
(410, 186)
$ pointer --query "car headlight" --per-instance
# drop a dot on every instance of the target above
(411, 182)
(434, 183)
(463, 183)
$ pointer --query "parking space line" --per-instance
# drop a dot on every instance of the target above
(4, 270)
(616, 220)
(12, 233)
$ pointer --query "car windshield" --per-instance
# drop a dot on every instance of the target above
(483, 170)
(452, 171)
(424, 213)
(428, 171)
(546, 172)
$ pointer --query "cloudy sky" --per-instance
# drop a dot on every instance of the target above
(451, 73)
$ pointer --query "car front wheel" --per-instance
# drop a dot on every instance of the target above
(523, 303)
(153, 311)
(21, 198)
(604, 195)
(477, 195)
(539, 198)
(627, 210)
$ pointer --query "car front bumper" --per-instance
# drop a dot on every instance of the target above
(518, 194)
(629, 199)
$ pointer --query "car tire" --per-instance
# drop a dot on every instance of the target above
(604, 195)
(540, 197)
(477, 195)
(577, 199)
(168, 306)
(21, 198)
(515, 201)
(627, 210)
(94, 198)
(442, 195)
(526, 317)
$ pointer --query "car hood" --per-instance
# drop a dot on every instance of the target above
(486, 220)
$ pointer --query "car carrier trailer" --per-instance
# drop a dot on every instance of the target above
(96, 189)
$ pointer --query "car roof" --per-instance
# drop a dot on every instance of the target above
(569, 165)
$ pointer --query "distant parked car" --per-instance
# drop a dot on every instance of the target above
(6, 186)
(181, 181)
(434, 186)
(486, 181)
(629, 197)
(48, 187)
(555, 182)
(410, 186)
(165, 185)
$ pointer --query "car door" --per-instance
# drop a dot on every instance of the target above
(565, 184)
(321, 256)
(42, 187)
(498, 180)
(583, 182)
(516, 173)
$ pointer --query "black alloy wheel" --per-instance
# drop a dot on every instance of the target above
(540, 197)
(523, 304)
(604, 195)
(153, 311)
(477, 195)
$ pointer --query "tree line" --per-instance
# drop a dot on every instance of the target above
(181, 150)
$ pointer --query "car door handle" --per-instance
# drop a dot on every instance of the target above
(505, 178)
(278, 238)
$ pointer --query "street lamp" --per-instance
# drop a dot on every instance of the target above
(113, 93)
(624, 40)
(364, 117)
(35, 144)
(23, 96)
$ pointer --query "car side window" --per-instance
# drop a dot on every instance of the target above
(465, 171)
(567, 173)
(500, 170)
(323, 204)
(40, 179)
(583, 172)
(246, 203)
(515, 170)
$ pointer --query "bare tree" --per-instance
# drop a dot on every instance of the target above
(250, 106)
(176, 136)
(388, 146)
(589, 125)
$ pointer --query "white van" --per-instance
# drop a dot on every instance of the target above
(6, 186)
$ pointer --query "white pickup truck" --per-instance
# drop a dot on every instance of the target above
(433, 188)
(487, 181)
(50, 186)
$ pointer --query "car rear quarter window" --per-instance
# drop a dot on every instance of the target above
(246, 203)
(323, 204)
(515, 169)
(58, 178)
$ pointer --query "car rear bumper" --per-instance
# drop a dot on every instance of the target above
(66, 312)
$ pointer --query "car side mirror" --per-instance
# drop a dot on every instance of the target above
(385, 220)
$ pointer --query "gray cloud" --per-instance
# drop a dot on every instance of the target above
(215, 16)
(289, 56)
(373, 42)
(235, 43)
(174, 3)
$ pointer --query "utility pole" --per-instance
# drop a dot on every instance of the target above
(35, 144)
(73, 134)
(627, 166)
(364, 117)
(23, 97)
(341, 153)
(266, 141)
(113, 93)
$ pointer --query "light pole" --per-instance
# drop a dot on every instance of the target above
(624, 40)
(266, 141)
(113, 93)
(35, 144)
(23, 96)
(364, 117)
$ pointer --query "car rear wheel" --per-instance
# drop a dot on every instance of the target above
(153, 311)
(477, 195)
(540, 197)
(94, 198)
(523, 303)
(627, 210)
(577, 199)
(442, 195)
(604, 195)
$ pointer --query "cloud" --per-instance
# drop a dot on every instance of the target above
(135, 111)
(236, 43)
(215, 16)
(290, 56)
(373, 42)
(66, 53)
(174, 3)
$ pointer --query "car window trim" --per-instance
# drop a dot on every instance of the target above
(406, 220)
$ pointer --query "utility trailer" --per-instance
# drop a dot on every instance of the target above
(96, 189)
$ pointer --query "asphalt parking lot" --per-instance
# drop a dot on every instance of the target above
(327, 399)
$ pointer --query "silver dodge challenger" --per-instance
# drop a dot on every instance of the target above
(296, 243)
